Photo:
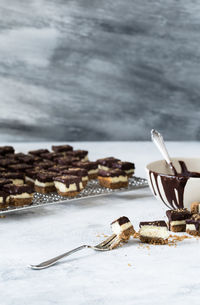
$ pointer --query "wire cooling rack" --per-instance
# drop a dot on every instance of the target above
(93, 189)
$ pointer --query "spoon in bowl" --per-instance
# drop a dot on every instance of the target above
(159, 142)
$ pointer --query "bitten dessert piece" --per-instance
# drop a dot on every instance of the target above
(90, 166)
(44, 182)
(195, 207)
(61, 148)
(80, 172)
(127, 167)
(16, 178)
(154, 232)
(123, 228)
(4, 150)
(193, 227)
(106, 163)
(38, 152)
(113, 179)
(177, 219)
(19, 195)
(68, 185)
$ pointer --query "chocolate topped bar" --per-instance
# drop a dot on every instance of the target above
(13, 189)
(21, 167)
(123, 165)
(52, 156)
(62, 148)
(107, 162)
(88, 165)
(7, 162)
(45, 176)
(68, 179)
(12, 175)
(80, 154)
(44, 164)
(32, 173)
(76, 172)
(157, 223)
(4, 150)
(58, 168)
(111, 173)
(67, 160)
(194, 222)
(28, 159)
(181, 214)
(4, 181)
(38, 152)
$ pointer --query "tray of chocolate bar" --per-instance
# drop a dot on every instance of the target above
(42, 177)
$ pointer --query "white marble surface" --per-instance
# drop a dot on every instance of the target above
(159, 275)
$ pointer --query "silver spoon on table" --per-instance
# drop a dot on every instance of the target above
(159, 142)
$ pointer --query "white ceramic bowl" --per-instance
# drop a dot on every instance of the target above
(175, 192)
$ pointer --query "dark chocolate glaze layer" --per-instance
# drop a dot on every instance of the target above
(80, 154)
(13, 189)
(12, 175)
(19, 167)
(38, 152)
(194, 222)
(4, 150)
(44, 164)
(111, 173)
(7, 162)
(68, 180)
(45, 176)
(123, 165)
(174, 215)
(58, 168)
(62, 148)
(4, 181)
(122, 220)
(81, 172)
(108, 162)
(67, 160)
(157, 223)
(88, 165)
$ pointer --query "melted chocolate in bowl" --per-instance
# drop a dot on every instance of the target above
(173, 185)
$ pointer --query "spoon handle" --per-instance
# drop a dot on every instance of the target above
(159, 142)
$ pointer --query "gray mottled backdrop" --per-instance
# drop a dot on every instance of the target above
(99, 69)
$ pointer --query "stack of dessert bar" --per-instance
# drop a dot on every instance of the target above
(62, 170)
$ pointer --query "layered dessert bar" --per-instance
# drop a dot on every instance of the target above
(90, 166)
(82, 155)
(17, 178)
(123, 228)
(80, 172)
(44, 182)
(195, 207)
(4, 150)
(19, 195)
(113, 179)
(38, 152)
(193, 227)
(4, 199)
(62, 148)
(106, 163)
(30, 176)
(68, 185)
(177, 219)
(21, 167)
(127, 167)
(154, 232)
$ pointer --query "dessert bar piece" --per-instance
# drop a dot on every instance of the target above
(30, 176)
(38, 152)
(177, 219)
(82, 155)
(4, 199)
(123, 228)
(4, 150)
(80, 172)
(154, 232)
(195, 207)
(67, 160)
(128, 167)
(19, 195)
(106, 163)
(44, 164)
(68, 185)
(16, 177)
(62, 148)
(44, 182)
(23, 158)
(6, 162)
(113, 179)
(193, 227)
(90, 166)
(21, 167)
